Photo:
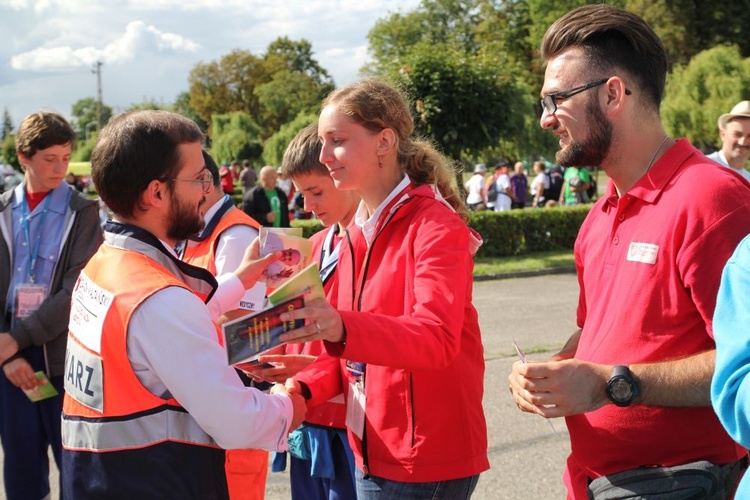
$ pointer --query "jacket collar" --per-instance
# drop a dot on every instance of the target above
(76, 203)
(224, 205)
(135, 239)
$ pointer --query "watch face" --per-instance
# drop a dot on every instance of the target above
(620, 389)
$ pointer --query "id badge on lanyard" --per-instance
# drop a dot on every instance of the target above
(29, 296)
(28, 299)
(355, 408)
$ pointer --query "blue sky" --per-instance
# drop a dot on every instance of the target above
(148, 47)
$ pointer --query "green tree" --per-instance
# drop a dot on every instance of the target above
(227, 85)
(474, 97)
(235, 135)
(272, 89)
(150, 103)
(696, 94)
(84, 148)
(297, 57)
(462, 104)
(689, 26)
(287, 95)
(183, 107)
(274, 147)
(84, 116)
(434, 22)
(7, 125)
(8, 152)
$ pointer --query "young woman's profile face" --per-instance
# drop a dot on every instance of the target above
(349, 150)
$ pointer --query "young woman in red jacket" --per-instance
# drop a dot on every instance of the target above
(405, 330)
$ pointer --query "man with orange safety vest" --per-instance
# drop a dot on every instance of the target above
(150, 401)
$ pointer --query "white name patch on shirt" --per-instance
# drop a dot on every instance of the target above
(87, 312)
(643, 252)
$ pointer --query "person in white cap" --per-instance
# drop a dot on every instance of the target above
(734, 129)
(477, 191)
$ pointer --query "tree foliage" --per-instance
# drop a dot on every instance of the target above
(443, 23)
(235, 137)
(697, 93)
(297, 57)
(8, 152)
(84, 148)
(183, 107)
(471, 93)
(272, 89)
(287, 95)
(84, 116)
(7, 125)
(461, 103)
(688, 27)
(273, 150)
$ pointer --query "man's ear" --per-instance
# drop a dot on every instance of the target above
(155, 195)
(22, 159)
(386, 141)
(617, 94)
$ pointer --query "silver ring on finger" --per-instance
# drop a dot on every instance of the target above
(317, 325)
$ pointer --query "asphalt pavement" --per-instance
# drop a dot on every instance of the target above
(527, 457)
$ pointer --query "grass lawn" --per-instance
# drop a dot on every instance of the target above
(527, 262)
(80, 167)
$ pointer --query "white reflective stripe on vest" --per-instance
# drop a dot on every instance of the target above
(104, 434)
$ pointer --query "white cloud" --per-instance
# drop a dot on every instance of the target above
(150, 46)
(137, 39)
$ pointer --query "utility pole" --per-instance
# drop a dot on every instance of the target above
(97, 69)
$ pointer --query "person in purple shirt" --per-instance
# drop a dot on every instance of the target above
(520, 186)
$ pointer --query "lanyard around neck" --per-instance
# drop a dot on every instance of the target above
(25, 225)
(329, 255)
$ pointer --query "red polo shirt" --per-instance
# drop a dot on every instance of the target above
(649, 266)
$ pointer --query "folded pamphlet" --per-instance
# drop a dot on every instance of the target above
(306, 282)
(251, 335)
(44, 391)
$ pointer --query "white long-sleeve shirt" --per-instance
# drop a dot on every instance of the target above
(173, 350)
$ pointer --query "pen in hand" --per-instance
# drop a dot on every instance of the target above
(522, 357)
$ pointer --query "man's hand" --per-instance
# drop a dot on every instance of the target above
(298, 405)
(559, 388)
(323, 323)
(271, 217)
(8, 346)
(21, 374)
(252, 266)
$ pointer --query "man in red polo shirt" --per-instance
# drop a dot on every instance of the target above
(633, 381)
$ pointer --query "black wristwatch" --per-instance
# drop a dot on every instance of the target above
(622, 388)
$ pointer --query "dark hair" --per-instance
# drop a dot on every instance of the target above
(302, 155)
(377, 105)
(134, 149)
(212, 167)
(612, 40)
(42, 130)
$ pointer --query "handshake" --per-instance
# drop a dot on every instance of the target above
(292, 389)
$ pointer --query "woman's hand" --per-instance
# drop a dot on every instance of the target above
(323, 322)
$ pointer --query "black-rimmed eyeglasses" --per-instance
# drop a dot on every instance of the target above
(206, 180)
(549, 101)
